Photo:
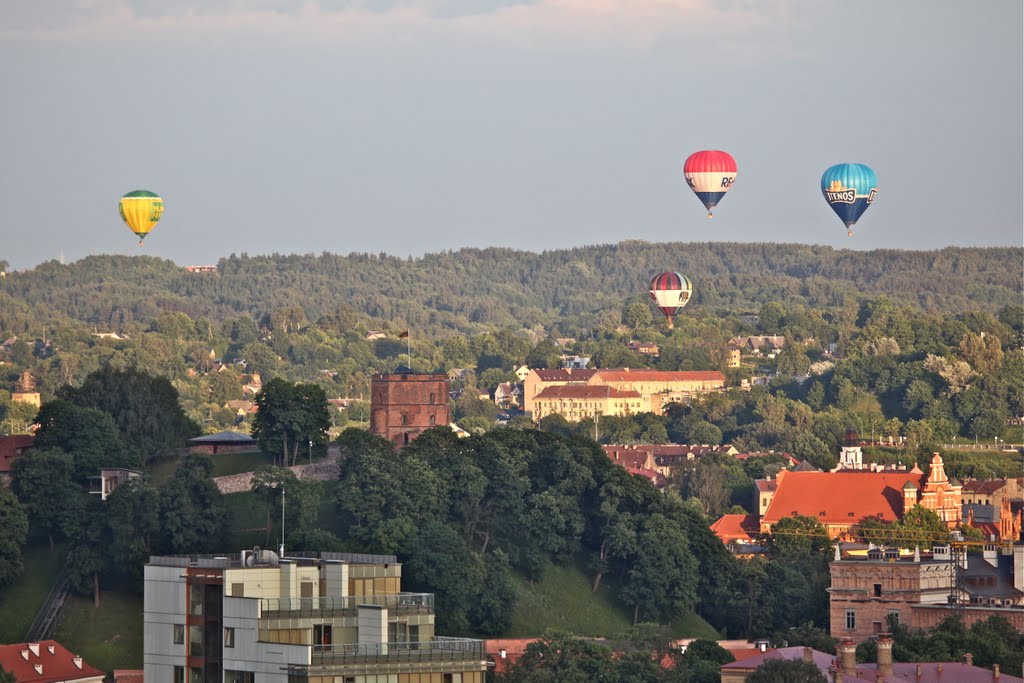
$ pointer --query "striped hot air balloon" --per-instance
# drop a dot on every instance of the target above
(671, 291)
(849, 189)
(710, 173)
(140, 211)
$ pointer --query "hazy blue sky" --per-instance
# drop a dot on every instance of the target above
(409, 126)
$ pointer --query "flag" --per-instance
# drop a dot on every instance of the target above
(403, 335)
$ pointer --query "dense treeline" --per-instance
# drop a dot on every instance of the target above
(498, 287)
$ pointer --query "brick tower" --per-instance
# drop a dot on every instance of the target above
(403, 404)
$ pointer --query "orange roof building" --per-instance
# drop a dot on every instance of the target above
(46, 662)
(840, 500)
(736, 528)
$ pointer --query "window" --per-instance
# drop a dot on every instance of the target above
(433, 419)
(894, 617)
(851, 620)
(433, 398)
(195, 641)
(321, 636)
(195, 600)
(398, 633)
(179, 674)
(238, 590)
(195, 675)
(179, 634)
(878, 590)
(229, 637)
(238, 676)
(405, 419)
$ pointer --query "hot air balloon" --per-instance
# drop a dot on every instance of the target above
(671, 291)
(849, 189)
(710, 173)
(140, 210)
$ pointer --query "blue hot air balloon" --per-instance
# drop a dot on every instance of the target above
(849, 189)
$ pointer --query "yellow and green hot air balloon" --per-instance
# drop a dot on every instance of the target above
(140, 210)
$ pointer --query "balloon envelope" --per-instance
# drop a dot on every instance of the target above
(140, 210)
(671, 291)
(710, 173)
(849, 189)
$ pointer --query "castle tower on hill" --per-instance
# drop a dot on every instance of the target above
(404, 404)
(851, 457)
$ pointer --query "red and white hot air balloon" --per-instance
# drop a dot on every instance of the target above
(710, 173)
(671, 291)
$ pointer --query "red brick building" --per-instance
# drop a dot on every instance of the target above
(404, 404)
(11, 448)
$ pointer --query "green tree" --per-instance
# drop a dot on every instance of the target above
(89, 435)
(132, 515)
(563, 658)
(787, 671)
(13, 532)
(637, 315)
(289, 416)
(90, 538)
(661, 582)
(145, 408)
(438, 561)
(793, 360)
(194, 519)
(42, 480)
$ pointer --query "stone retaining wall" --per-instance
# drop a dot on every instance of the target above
(238, 483)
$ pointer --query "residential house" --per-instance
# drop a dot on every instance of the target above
(843, 667)
(242, 408)
(735, 354)
(299, 617)
(508, 395)
(374, 335)
(738, 532)
(11, 448)
(758, 345)
(637, 461)
(46, 661)
(575, 362)
(109, 479)
(521, 372)
(645, 348)
(919, 590)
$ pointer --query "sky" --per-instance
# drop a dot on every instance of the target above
(414, 126)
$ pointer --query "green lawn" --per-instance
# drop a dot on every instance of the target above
(162, 469)
(108, 637)
(562, 600)
(20, 601)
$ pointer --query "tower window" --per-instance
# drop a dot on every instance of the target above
(433, 419)
(433, 398)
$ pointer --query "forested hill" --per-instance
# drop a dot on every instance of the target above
(472, 288)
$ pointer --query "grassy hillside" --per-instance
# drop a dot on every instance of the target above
(562, 600)
(22, 599)
(108, 637)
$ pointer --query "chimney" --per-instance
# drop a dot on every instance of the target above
(995, 672)
(884, 644)
(847, 652)
(918, 672)
(808, 655)
(969, 659)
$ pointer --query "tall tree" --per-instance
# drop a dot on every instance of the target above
(13, 531)
(290, 415)
(145, 408)
(192, 509)
(787, 671)
(42, 480)
(89, 435)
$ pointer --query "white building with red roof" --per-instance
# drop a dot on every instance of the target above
(46, 662)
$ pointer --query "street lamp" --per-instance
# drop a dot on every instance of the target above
(311, 451)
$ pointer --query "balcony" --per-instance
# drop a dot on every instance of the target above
(464, 653)
(402, 603)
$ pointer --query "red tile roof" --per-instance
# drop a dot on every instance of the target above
(585, 392)
(127, 675)
(736, 528)
(628, 375)
(56, 663)
(565, 375)
(839, 497)
(983, 487)
(513, 647)
(11, 447)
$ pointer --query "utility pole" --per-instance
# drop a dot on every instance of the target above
(281, 554)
